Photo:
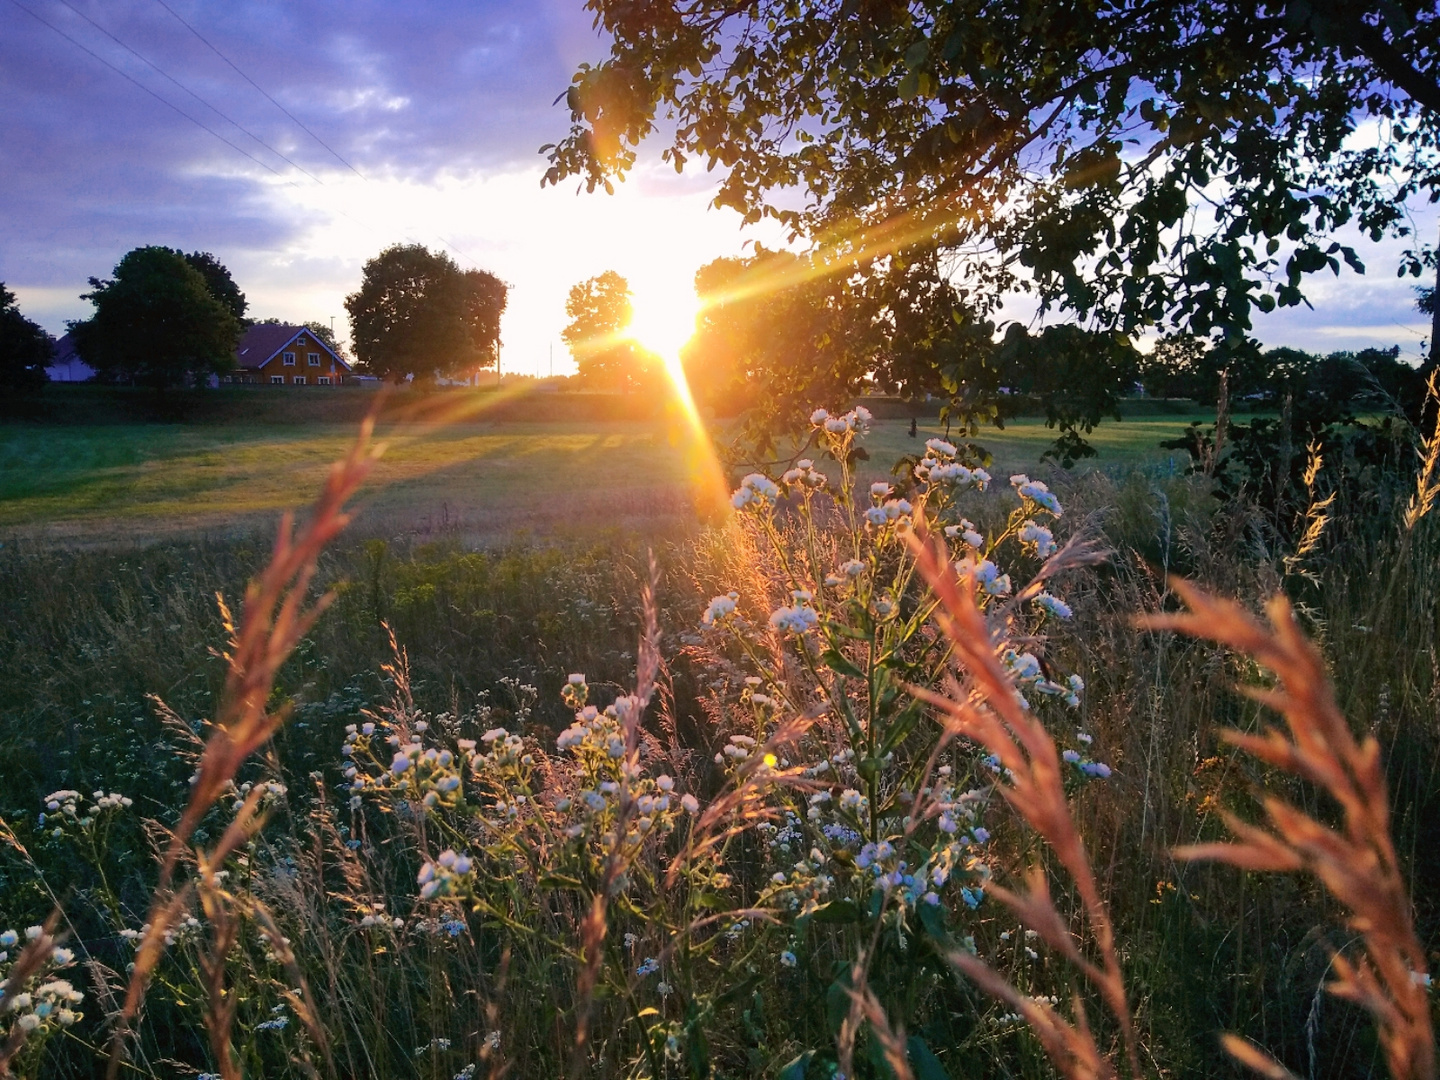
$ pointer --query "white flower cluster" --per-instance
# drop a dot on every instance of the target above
(720, 609)
(756, 492)
(890, 512)
(806, 884)
(43, 1001)
(986, 575)
(966, 532)
(431, 775)
(604, 773)
(272, 792)
(939, 467)
(67, 808)
(1087, 766)
(1025, 669)
(855, 422)
(182, 930)
(804, 477)
(1037, 537)
(800, 618)
(1035, 492)
(448, 874)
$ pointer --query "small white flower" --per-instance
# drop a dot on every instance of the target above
(787, 958)
(721, 607)
(1054, 605)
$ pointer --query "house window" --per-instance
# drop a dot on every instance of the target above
(298, 380)
(277, 380)
(323, 380)
(313, 358)
(289, 359)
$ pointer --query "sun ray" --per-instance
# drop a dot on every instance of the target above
(663, 320)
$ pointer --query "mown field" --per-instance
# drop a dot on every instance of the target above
(481, 480)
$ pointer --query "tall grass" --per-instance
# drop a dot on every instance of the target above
(314, 954)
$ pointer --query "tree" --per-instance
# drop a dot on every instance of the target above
(1132, 163)
(156, 323)
(774, 339)
(599, 310)
(25, 348)
(218, 280)
(418, 314)
(325, 333)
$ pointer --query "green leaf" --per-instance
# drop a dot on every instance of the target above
(836, 661)
(558, 881)
(923, 1061)
(795, 1070)
(837, 911)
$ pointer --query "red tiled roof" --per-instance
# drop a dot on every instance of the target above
(260, 343)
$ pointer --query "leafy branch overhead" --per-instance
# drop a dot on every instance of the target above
(1132, 162)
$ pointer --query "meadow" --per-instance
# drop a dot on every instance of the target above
(490, 482)
(539, 889)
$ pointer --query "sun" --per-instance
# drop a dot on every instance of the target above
(663, 320)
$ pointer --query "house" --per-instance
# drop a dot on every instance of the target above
(282, 355)
(66, 366)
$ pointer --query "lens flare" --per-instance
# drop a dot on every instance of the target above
(662, 323)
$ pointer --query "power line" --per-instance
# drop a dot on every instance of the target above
(166, 75)
(300, 124)
(202, 125)
(163, 101)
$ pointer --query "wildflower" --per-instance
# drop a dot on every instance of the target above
(854, 568)
(1054, 605)
(819, 416)
(648, 967)
(788, 959)
(721, 607)
(1036, 492)
(794, 620)
(851, 799)
(9, 939)
(1097, 769)
(1071, 756)
(400, 763)
(690, 803)
(879, 490)
(1040, 536)
(940, 447)
(756, 490)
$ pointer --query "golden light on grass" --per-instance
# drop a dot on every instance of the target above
(662, 322)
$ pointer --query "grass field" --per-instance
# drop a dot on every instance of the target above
(88, 484)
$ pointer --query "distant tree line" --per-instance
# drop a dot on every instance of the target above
(165, 318)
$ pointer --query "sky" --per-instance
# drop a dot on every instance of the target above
(424, 120)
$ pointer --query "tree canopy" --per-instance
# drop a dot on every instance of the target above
(417, 313)
(218, 280)
(25, 348)
(156, 322)
(600, 310)
(1133, 164)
